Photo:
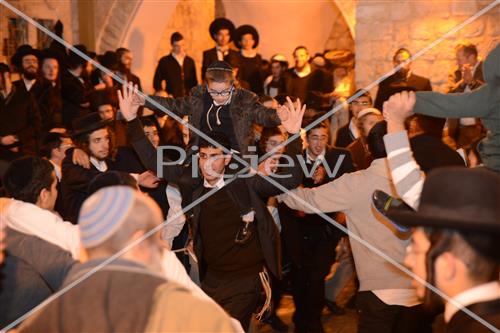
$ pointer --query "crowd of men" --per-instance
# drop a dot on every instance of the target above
(84, 183)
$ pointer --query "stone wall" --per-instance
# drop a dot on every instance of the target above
(37, 9)
(383, 27)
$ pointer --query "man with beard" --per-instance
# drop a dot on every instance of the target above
(19, 113)
(125, 58)
(404, 77)
(94, 137)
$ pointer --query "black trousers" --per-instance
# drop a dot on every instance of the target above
(238, 296)
(378, 317)
(308, 283)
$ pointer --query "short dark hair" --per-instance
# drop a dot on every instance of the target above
(400, 50)
(467, 48)
(51, 141)
(111, 178)
(363, 93)
(300, 47)
(430, 125)
(175, 37)
(322, 124)
(26, 177)
(375, 140)
(268, 132)
(481, 269)
(120, 52)
(218, 137)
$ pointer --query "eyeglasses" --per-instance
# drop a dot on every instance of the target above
(364, 103)
(223, 93)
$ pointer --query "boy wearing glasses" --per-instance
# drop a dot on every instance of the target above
(348, 133)
(218, 106)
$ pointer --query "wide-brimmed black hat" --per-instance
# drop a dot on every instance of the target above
(466, 200)
(219, 24)
(88, 123)
(243, 30)
(21, 52)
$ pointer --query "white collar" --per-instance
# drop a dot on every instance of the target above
(482, 293)
(28, 83)
(353, 128)
(179, 58)
(307, 70)
(320, 157)
(57, 170)
(475, 67)
(220, 183)
(99, 165)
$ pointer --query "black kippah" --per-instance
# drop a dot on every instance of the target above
(220, 65)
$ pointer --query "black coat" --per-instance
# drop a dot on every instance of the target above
(74, 185)
(259, 191)
(463, 323)
(19, 115)
(395, 83)
(344, 137)
(179, 80)
(209, 56)
(251, 72)
(75, 94)
(431, 152)
(244, 108)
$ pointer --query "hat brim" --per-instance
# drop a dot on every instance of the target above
(418, 219)
(17, 58)
(244, 30)
(91, 128)
(219, 24)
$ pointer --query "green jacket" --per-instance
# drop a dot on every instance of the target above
(482, 103)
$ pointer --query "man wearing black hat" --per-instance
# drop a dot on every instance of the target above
(247, 40)
(94, 136)
(19, 113)
(222, 31)
(177, 69)
(455, 246)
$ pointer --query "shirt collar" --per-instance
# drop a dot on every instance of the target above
(220, 183)
(482, 293)
(57, 170)
(354, 130)
(320, 157)
(306, 72)
(28, 83)
(99, 165)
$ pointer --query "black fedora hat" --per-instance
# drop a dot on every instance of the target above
(461, 199)
(244, 30)
(219, 24)
(21, 52)
(88, 123)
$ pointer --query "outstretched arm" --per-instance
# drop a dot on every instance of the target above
(406, 174)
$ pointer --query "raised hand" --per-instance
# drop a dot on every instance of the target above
(291, 115)
(128, 102)
(399, 106)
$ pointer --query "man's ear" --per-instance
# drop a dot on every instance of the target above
(446, 264)
(42, 197)
(227, 159)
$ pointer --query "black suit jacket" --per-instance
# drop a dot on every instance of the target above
(395, 83)
(179, 80)
(74, 93)
(74, 185)
(463, 323)
(209, 56)
(252, 192)
(344, 137)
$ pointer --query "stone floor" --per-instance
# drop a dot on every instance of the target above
(332, 324)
